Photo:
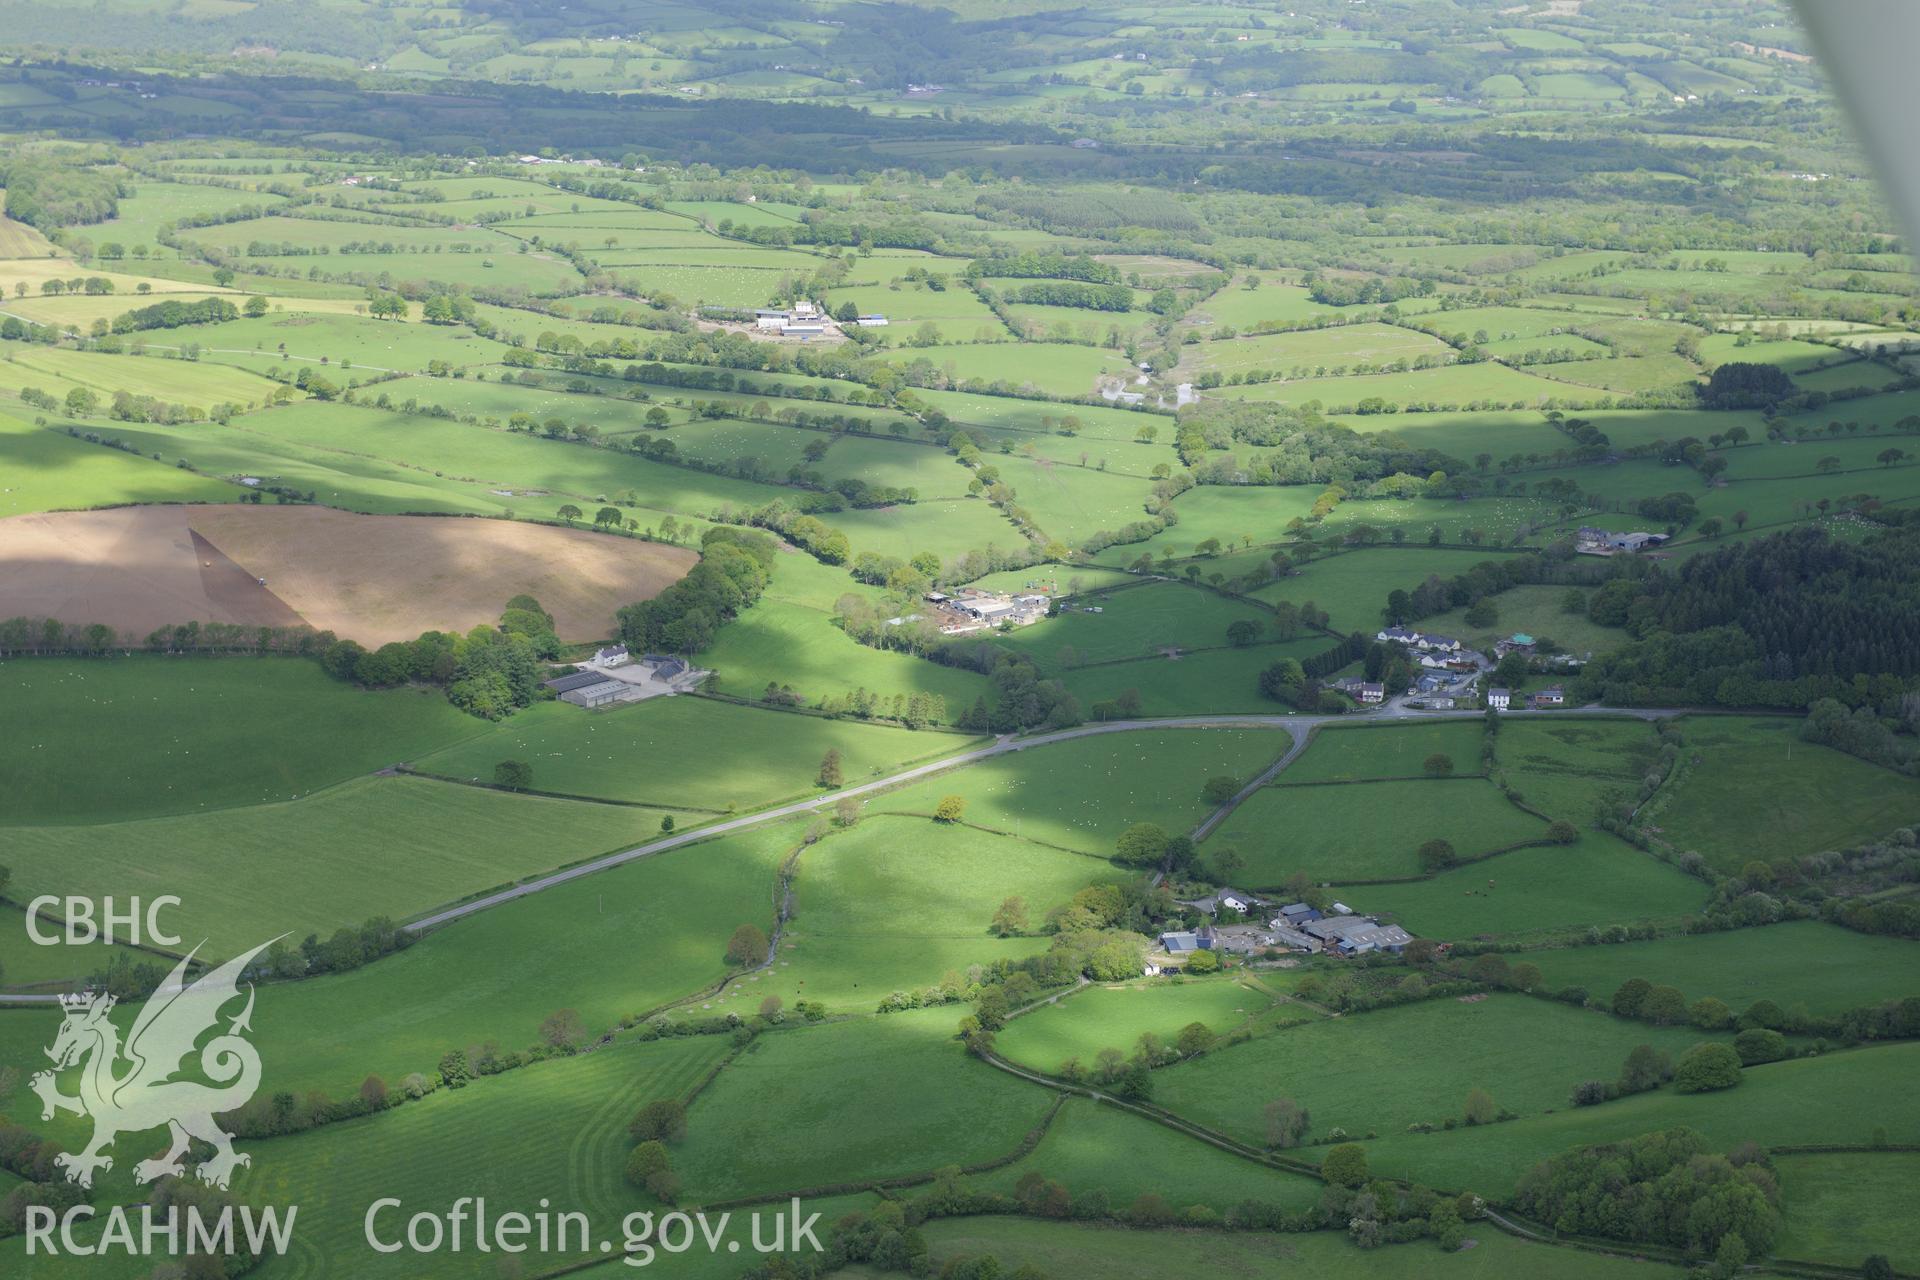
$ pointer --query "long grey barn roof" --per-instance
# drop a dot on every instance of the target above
(578, 680)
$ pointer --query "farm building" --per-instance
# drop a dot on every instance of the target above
(972, 610)
(1300, 927)
(1247, 939)
(1295, 914)
(1357, 935)
(663, 666)
(589, 689)
(1553, 697)
(1601, 542)
(802, 320)
(1186, 942)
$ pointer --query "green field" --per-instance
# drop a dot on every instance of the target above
(1092, 1147)
(1840, 1207)
(1230, 513)
(897, 904)
(1263, 307)
(1801, 964)
(111, 739)
(796, 646)
(1341, 754)
(369, 460)
(1568, 767)
(1053, 368)
(475, 1142)
(48, 470)
(314, 864)
(1368, 830)
(1527, 1053)
(1598, 880)
(610, 945)
(348, 342)
(1013, 414)
(868, 1099)
(1344, 347)
(1538, 611)
(1759, 790)
(1133, 622)
(684, 753)
(956, 314)
(26, 964)
(1455, 386)
(1083, 793)
(1062, 1249)
(1114, 1017)
(1073, 502)
(492, 978)
(1778, 1104)
(1353, 587)
(194, 382)
(1219, 681)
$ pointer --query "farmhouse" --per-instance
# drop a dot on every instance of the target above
(1231, 899)
(1499, 698)
(1366, 691)
(612, 656)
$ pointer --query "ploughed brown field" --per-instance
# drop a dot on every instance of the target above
(370, 578)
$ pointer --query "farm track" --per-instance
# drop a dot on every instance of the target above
(1299, 726)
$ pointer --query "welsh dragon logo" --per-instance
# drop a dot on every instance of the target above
(131, 1088)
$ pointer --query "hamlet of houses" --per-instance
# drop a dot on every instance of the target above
(1432, 652)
